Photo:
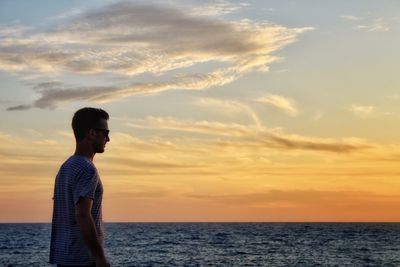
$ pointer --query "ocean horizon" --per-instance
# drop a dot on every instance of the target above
(220, 244)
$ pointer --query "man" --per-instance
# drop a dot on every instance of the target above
(77, 236)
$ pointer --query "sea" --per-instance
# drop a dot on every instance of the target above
(220, 244)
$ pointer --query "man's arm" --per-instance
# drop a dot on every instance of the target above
(88, 229)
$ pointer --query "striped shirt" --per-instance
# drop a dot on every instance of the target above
(76, 178)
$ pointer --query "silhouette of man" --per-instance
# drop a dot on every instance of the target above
(77, 236)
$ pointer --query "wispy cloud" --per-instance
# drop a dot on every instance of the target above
(378, 25)
(33, 132)
(205, 127)
(13, 31)
(16, 149)
(129, 39)
(66, 15)
(351, 17)
(369, 24)
(393, 97)
(299, 197)
(320, 205)
(217, 8)
(362, 111)
(254, 136)
(53, 96)
(318, 115)
(286, 104)
(19, 107)
(229, 107)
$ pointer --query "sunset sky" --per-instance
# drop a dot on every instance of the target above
(219, 111)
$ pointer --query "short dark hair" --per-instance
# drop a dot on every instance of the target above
(85, 119)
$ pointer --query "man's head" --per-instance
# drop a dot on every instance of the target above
(90, 125)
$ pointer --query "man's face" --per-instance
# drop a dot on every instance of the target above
(101, 137)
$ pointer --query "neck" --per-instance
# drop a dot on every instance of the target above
(85, 150)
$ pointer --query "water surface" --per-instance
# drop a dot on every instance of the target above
(221, 244)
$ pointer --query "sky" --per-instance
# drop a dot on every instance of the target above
(220, 111)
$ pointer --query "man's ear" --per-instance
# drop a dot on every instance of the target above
(91, 133)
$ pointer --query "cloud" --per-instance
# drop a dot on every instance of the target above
(14, 30)
(56, 95)
(299, 197)
(19, 107)
(318, 115)
(128, 39)
(33, 132)
(205, 127)
(317, 144)
(46, 142)
(66, 15)
(351, 17)
(378, 25)
(253, 137)
(310, 205)
(8, 139)
(143, 192)
(362, 111)
(18, 150)
(393, 97)
(286, 104)
(217, 8)
(229, 107)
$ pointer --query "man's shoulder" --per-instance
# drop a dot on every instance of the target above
(79, 163)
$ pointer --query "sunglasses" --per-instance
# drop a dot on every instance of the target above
(105, 131)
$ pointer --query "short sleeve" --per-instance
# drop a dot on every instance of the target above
(86, 183)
